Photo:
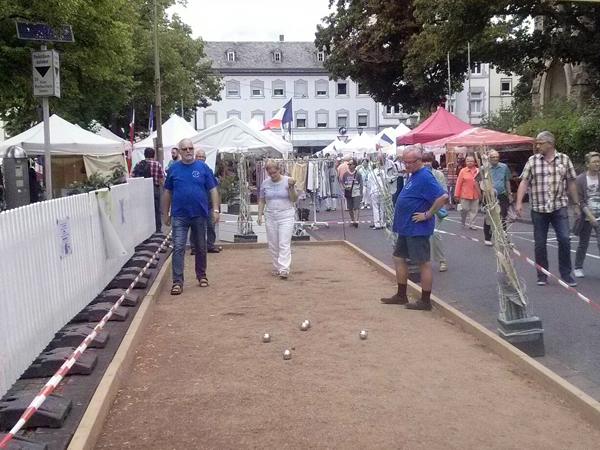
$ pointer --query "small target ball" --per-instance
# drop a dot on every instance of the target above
(266, 338)
(304, 326)
(293, 347)
(363, 334)
(307, 322)
(287, 355)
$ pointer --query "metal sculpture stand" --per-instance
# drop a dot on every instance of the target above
(245, 232)
(517, 324)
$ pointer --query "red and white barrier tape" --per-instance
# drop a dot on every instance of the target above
(308, 222)
(534, 264)
(62, 371)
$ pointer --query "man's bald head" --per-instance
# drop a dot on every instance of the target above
(200, 155)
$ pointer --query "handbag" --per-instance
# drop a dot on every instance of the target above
(441, 213)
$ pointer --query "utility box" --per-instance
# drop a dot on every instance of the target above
(16, 177)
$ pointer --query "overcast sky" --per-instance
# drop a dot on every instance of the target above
(253, 20)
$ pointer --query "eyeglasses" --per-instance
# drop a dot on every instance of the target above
(410, 163)
(186, 149)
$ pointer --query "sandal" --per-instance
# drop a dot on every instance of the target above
(203, 282)
(176, 289)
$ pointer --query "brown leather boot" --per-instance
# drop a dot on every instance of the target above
(395, 299)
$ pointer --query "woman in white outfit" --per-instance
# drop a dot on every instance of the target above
(278, 193)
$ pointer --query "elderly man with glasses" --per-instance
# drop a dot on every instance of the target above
(549, 175)
(414, 221)
(187, 187)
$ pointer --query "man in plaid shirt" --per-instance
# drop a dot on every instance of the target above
(549, 174)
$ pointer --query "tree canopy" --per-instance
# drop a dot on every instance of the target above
(398, 49)
(109, 65)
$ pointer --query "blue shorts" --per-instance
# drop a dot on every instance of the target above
(415, 248)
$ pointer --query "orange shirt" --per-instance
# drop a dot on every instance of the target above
(465, 184)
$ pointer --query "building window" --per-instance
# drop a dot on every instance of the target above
(301, 119)
(320, 56)
(300, 89)
(342, 88)
(452, 105)
(233, 88)
(506, 86)
(393, 110)
(234, 113)
(321, 88)
(277, 57)
(257, 88)
(259, 116)
(230, 56)
(389, 109)
(278, 88)
(342, 118)
(476, 102)
(361, 90)
(322, 119)
(476, 69)
(210, 118)
(362, 119)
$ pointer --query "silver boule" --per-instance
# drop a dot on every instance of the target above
(363, 334)
(304, 326)
(266, 337)
(287, 355)
(307, 322)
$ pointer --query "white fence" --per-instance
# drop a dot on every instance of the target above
(54, 261)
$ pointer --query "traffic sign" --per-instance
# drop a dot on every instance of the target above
(46, 73)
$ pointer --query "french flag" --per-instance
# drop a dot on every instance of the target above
(283, 116)
(131, 123)
(384, 141)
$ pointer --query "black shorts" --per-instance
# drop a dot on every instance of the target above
(415, 248)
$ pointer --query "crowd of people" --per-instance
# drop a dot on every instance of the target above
(421, 193)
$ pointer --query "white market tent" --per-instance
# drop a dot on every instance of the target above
(359, 145)
(273, 137)
(234, 136)
(173, 130)
(106, 133)
(401, 130)
(67, 139)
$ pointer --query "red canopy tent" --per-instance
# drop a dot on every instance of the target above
(441, 124)
(474, 137)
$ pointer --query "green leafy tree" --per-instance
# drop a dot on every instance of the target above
(109, 64)
(398, 49)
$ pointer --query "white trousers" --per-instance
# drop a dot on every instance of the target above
(469, 208)
(331, 202)
(376, 205)
(437, 246)
(280, 226)
(366, 195)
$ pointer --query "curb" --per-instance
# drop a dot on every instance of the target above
(588, 407)
(89, 429)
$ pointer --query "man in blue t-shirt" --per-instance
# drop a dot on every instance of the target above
(414, 221)
(188, 184)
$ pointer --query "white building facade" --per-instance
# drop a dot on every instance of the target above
(260, 77)
(490, 92)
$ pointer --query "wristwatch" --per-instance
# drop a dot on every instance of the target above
(216, 210)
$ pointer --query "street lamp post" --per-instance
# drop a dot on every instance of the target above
(158, 110)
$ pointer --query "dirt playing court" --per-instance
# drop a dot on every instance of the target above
(203, 378)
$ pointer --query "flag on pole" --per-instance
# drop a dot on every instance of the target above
(131, 122)
(283, 116)
(384, 141)
(151, 121)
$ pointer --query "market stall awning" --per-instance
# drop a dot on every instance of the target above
(476, 137)
(441, 124)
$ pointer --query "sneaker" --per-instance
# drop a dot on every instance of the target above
(395, 300)
(372, 226)
(283, 275)
(443, 266)
(378, 228)
(578, 273)
(471, 227)
(489, 243)
(569, 280)
(542, 281)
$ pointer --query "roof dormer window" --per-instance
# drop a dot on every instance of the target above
(230, 56)
(320, 56)
(277, 56)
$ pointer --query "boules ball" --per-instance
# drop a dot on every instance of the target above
(307, 322)
(287, 355)
(304, 326)
(266, 338)
(363, 334)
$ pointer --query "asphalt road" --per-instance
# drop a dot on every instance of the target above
(571, 326)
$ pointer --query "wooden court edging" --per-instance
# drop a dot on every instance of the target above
(89, 429)
(579, 400)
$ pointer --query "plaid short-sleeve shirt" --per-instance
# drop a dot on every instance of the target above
(548, 181)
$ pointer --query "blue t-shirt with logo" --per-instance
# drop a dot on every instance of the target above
(420, 191)
(189, 185)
